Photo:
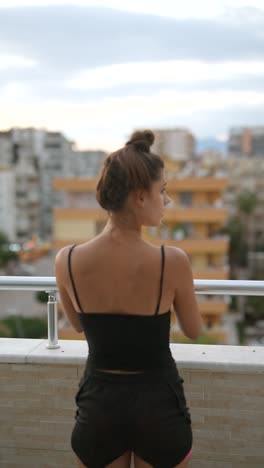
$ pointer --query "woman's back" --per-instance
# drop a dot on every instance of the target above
(121, 339)
(121, 277)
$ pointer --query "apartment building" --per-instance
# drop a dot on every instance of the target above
(192, 222)
(37, 157)
(81, 218)
(53, 157)
(85, 163)
(7, 203)
(244, 174)
(6, 147)
(246, 141)
(177, 144)
(18, 154)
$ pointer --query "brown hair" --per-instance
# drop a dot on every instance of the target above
(131, 168)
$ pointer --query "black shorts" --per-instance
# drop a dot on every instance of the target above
(143, 413)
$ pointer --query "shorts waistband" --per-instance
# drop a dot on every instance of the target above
(143, 376)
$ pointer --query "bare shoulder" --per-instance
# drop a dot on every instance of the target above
(179, 266)
(61, 259)
(61, 255)
(177, 255)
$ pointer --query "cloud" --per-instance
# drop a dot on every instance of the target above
(167, 72)
(118, 114)
(140, 79)
(74, 44)
(74, 38)
(8, 61)
(14, 92)
(98, 72)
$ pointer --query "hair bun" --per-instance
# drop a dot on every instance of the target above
(142, 141)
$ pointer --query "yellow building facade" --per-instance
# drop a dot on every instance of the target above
(193, 222)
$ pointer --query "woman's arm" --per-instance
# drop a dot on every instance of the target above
(185, 303)
(62, 283)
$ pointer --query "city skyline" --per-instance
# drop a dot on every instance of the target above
(97, 73)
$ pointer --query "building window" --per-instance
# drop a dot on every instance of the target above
(186, 198)
(182, 230)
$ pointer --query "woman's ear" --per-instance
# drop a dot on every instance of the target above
(139, 197)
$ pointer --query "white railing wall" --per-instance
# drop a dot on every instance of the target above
(48, 284)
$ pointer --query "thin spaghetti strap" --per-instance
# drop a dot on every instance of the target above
(71, 277)
(161, 277)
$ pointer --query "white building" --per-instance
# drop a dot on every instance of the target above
(176, 143)
(38, 156)
(27, 192)
(85, 164)
(7, 203)
(246, 141)
(53, 154)
(6, 145)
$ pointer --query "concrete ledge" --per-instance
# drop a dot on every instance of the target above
(187, 356)
(224, 388)
(14, 350)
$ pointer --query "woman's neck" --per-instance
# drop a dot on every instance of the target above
(122, 232)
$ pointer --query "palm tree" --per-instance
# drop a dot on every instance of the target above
(246, 202)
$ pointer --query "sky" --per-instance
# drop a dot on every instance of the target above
(97, 70)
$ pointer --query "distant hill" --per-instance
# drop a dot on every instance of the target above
(211, 143)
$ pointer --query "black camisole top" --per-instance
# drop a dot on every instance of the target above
(129, 342)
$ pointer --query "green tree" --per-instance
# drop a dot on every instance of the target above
(246, 202)
(259, 247)
(5, 331)
(238, 227)
(3, 239)
(177, 337)
(254, 309)
(18, 326)
(42, 296)
(254, 306)
(5, 253)
(238, 248)
(6, 256)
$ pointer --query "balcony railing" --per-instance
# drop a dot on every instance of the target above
(48, 284)
(224, 389)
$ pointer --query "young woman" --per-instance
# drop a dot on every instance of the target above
(118, 290)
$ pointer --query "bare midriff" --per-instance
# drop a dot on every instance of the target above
(120, 371)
